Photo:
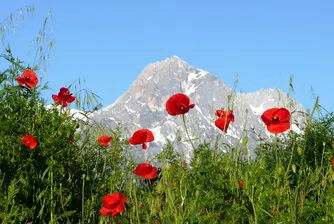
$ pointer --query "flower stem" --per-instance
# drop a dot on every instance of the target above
(83, 199)
(187, 132)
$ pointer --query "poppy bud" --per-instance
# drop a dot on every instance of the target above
(293, 166)
(299, 151)
(201, 212)
(197, 193)
(154, 210)
(244, 141)
(279, 170)
(246, 151)
(323, 183)
(159, 187)
(184, 164)
(170, 183)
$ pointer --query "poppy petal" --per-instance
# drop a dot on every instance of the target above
(222, 124)
(104, 211)
(146, 171)
(20, 80)
(283, 114)
(278, 128)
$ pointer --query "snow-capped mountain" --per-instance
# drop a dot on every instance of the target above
(143, 106)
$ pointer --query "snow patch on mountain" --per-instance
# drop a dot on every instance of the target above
(258, 110)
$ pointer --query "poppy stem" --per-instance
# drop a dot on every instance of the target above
(187, 132)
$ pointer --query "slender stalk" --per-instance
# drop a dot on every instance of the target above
(187, 132)
(83, 199)
(288, 167)
(253, 206)
(51, 211)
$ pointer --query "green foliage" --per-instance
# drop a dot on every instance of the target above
(50, 181)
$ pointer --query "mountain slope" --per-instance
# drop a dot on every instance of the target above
(143, 106)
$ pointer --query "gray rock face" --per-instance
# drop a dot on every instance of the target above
(143, 106)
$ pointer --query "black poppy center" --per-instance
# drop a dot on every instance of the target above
(275, 119)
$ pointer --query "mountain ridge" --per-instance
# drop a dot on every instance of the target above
(143, 106)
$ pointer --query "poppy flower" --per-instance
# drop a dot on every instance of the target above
(105, 140)
(29, 141)
(241, 183)
(178, 104)
(28, 78)
(333, 162)
(224, 119)
(142, 136)
(113, 204)
(276, 119)
(64, 97)
(146, 171)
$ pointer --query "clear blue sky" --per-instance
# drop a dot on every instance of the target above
(109, 42)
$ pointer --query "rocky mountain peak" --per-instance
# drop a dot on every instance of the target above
(143, 106)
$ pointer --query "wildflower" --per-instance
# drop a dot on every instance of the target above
(28, 78)
(142, 136)
(277, 120)
(333, 162)
(224, 119)
(178, 104)
(113, 204)
(241, 183)
(146, 171)
(64, 97)
(104, 140)
(29, 141)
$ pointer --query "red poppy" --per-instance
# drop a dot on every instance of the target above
(225, 117)
(178, 104)
(276, 119)
(105, 140)
(146, 171)
(29, 141)
(333, 162)
(113, 204)
(142, 136)
(64, 97)
(241, 183)
(28, 78)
